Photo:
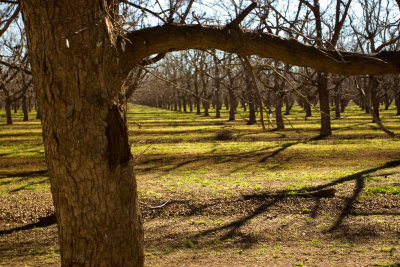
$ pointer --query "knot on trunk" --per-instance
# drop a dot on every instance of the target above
(117, 136)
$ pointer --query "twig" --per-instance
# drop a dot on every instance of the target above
(235, 23)
(144, 9)
(160, 206)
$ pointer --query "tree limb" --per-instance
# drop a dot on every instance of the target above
(174, 37)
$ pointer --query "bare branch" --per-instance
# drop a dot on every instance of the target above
(242, 16)
(10, 20)
(144, 9)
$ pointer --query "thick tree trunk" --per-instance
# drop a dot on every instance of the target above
(78, 81)
(323, 95)
(8, 110)
(24, 108)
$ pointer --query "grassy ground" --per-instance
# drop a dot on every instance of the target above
(241, 202)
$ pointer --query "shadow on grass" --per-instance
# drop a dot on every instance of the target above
(270, 199)
(4, 175)
(28, 185)
(43, 222)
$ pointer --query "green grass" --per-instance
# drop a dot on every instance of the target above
(188, 157)
(178, 157)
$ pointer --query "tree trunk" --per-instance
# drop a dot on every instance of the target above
(387, 100)
(179, 100)
(24, 108)
(337, 104)
(397, 102)
(233, 105)
(288, 104)
(217, 100)
(252, 103)
(190, 100)
(278, 112)
(373, 85)
(367, 99)
(78, 83)
(307, 108)
(184, 104)
(38, 114)
(343, 104)
(323, 95)
(198, 103)
(8, 110)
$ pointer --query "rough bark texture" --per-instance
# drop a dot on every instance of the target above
(173, 37)
(78, 79)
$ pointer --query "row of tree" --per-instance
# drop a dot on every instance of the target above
(194, 81)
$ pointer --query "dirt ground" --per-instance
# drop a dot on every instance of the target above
(253, 229)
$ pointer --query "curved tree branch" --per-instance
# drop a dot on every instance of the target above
(174, 37)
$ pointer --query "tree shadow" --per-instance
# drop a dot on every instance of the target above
(28, 185)
(273, 199)
(43, 222)
(279, 150)
(4, 175)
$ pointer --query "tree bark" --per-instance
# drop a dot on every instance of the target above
(373, 86)
(251, 101)
(337, 103)
(8, 110)
(323, 95)
(233, 104)
(24, 108)
(307, 107)
(278, 111)
(397, 102)
(288, 104)
(78, 80)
